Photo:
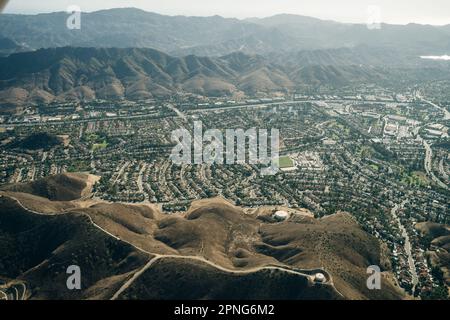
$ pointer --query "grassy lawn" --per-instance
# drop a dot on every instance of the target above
(79, 166)
(285, 162)
(421, 177)
(365, 152)
(416, 178)
(99, 146)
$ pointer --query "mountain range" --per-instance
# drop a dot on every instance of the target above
(79, 73)
(215, 35)
(133, 54)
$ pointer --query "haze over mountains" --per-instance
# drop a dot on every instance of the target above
(180, 35)
(343, 157)
(74, 74)
(278, 53)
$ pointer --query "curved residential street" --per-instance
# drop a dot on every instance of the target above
(13, 291)
(407, 245)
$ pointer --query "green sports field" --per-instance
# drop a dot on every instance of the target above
(286, 162)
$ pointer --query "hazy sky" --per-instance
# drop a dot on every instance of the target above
(392, 11)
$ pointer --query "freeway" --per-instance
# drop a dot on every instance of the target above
(180, 114)
(282, 103)
(70, 121)
(428, 165)
(427, 146)
(444, 110)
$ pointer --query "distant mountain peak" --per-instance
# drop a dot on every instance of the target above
(214, 35)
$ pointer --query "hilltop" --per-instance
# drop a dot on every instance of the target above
(437, 238)
(85, 74)
(214, 245)
(215, 35)
(61, 187)
(36, 141)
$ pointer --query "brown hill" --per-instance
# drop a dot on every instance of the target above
(209, 251)
(89, 73)
(35, 141)
(187, 279)
(61, 187)
(37, 249)
(437, 237)
(432, 230)
(82, 74)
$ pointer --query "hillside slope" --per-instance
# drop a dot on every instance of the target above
(61, 187)
(214, 245)
(437, 238)
(83, 74)
(36, 250)
(181, 35)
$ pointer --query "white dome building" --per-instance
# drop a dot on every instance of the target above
(319, 277)
(281, 215)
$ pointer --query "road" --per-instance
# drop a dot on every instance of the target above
(81, 213)
(286, 102)
(129, 282)
(444, 110)
(125, 117)
(24, 291)
(12, 292)
(157, 257)
(140, 184)
(178, 112)
(407, 245)
(119, 174)
(40, 123)
(138, 116)
(442, 170)
(428, 165)
(19, 175)
(428, 150)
